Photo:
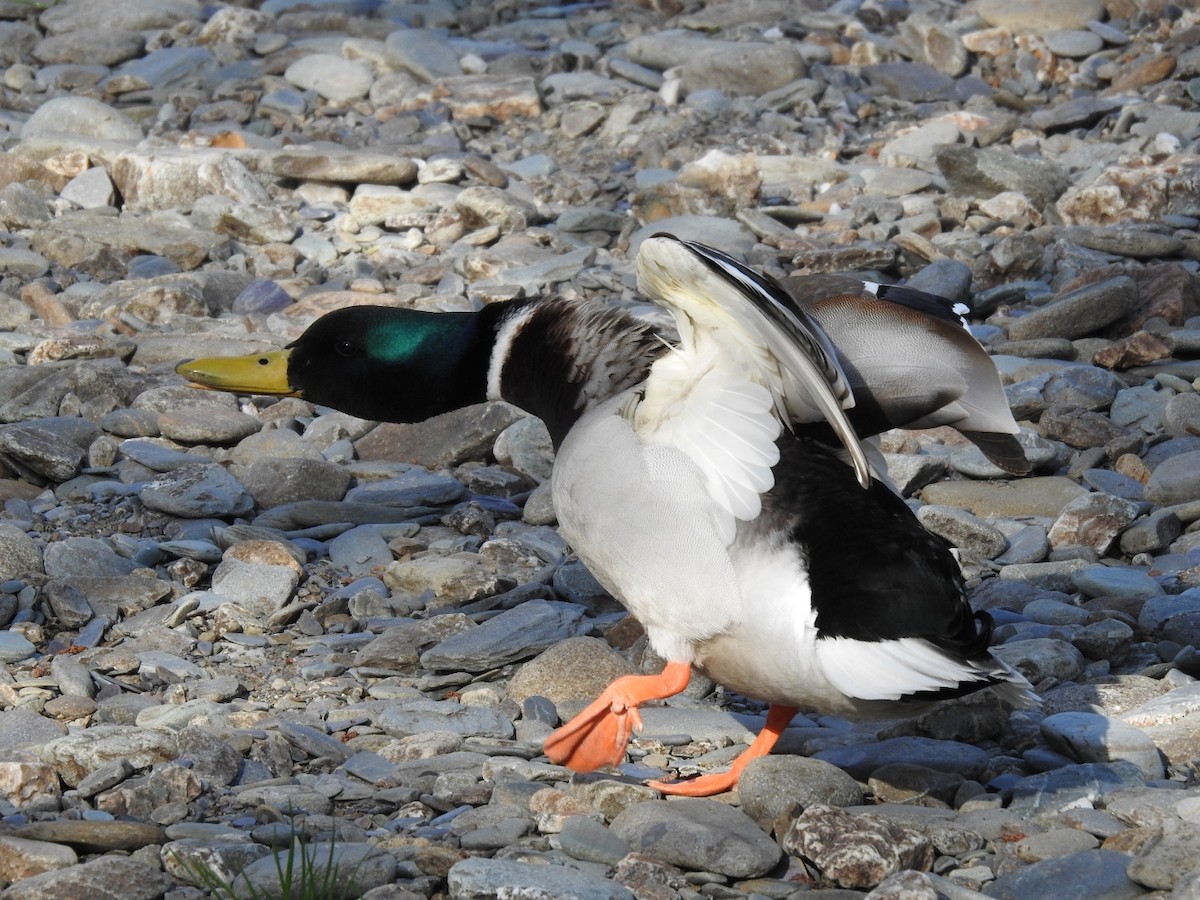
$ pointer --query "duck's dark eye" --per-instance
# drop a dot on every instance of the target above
(345, 348)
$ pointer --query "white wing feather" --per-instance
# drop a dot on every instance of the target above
(890, 670)
(710, 297)
(722, 421)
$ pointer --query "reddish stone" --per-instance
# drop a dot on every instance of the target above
(1138, 349)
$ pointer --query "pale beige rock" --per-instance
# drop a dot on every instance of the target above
(1138, 191)
(472, 96)
(22, 858)
(25, 784)
(175, 179)
(1042, 496)
(1039, 16)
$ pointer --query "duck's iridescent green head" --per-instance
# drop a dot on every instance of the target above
(375, 362)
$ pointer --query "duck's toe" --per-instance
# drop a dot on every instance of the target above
(593, 739)
(703, 786)
(778, 717)
(598, 736)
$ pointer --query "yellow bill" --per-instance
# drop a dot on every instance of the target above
(257, 373)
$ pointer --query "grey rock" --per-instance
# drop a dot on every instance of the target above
(582, 837)
(697, 833)
(314, 742)
(1144, 404)
(1088, 737)
(18, 553)
(185, 858)
(27, 263)
(416, 717)
(69, 605)
(1041, 658)
(91, 189)
(78, 754)
(983, 173)
(25, 728)
(944, 756)
(359, 550)
(575, 669)
(1083, 386)
(1181, 414)
(81, 238)
(742, 68)
(424, 52)
(913, 82)
(1028, 544)
(1073, 43)
(212, 758)
(42, 451)
(1114, 581)
(81, 116)
(162, 67)
(20, 207)
(776, 787)
(161, 178)
(486, 205)
(451, 580)
(476, 878)
(156, 455)
(275, 482)
(415, 487)
(15, 647)
(80, 556)
(1091, 873)
(1175, 480)
(136, 15)
(333, 77)
(364, 865)
(963, 530)
(1106, 481)
(1054, 612)
(255, 586)
(1080, 428)
(1049, 792)
(100, 46)
(196, 492)
(1158, 611)
(193, 425)
(17, 39)
(515, 634)
(1108, 640)
(492, 827)
(1079, 312)
(136, 881)
(1166, 860)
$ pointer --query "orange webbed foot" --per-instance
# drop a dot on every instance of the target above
(778, 718)
(701, 786)
(598, 736)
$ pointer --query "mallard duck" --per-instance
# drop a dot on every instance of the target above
(685, 481)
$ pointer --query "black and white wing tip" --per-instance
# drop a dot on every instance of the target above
(801, 343)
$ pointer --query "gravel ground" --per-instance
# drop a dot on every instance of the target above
(231, 621)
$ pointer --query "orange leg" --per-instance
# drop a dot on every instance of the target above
(598, 735)
(778, 718)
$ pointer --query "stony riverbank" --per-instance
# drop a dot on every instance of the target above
(218, 611)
